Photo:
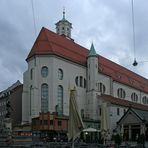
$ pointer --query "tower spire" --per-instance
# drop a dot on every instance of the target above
(63, 13)
(92, 51)
(63, 27)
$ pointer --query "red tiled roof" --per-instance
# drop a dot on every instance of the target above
(122, 102)
(50, 43)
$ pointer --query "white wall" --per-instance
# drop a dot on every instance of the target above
(70, 71)
(114, 118)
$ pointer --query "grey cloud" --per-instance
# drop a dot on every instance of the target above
(105, 22)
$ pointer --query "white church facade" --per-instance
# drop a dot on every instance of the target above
(56, 64)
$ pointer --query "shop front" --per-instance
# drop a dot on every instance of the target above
(133, 124)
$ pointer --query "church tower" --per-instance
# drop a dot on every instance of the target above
(92, 64)
(92, 73)
(63, 27)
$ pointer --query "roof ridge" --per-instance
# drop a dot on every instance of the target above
(67, 40)
(68, 48)
(122, 67)
(38, 39)
(48, 42)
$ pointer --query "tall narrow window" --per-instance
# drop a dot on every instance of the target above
(44, 97)
(81, 81)
(124, 110)
(60, 74)
(76, 80)
(44, 71)
(134, 97)
(84, 83)
(145, 100)
(31, 93)
(31, 74)
(100, 111)
(121, 93)
(60, 100)
(118, 111)
(101, 88)
(82, 113)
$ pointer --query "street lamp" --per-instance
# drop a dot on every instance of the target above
(135, 63)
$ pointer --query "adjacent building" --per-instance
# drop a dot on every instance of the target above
(11, 104)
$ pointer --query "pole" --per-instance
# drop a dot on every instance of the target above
(72, 142)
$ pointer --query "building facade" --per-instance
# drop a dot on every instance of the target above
(11, 104)
(56, 64)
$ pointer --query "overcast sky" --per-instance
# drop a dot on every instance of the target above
(106, 23)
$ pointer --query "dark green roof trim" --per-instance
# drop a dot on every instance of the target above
(140, 114)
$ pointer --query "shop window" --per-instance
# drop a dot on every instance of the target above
(59, 123)
(51, 122)
(45, 122)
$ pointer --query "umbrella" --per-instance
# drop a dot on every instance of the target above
(90, 130)
(75, 120)
(104, 119)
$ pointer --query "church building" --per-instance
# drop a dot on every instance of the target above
(105, 90)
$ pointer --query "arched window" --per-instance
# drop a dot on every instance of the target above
(44, 97)
(60, 74)
(44, 71)
(101, 88)
(121, 93)
(76, 81)
(80, 81)
(145, 100)
(60, 100)
(134, 97)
